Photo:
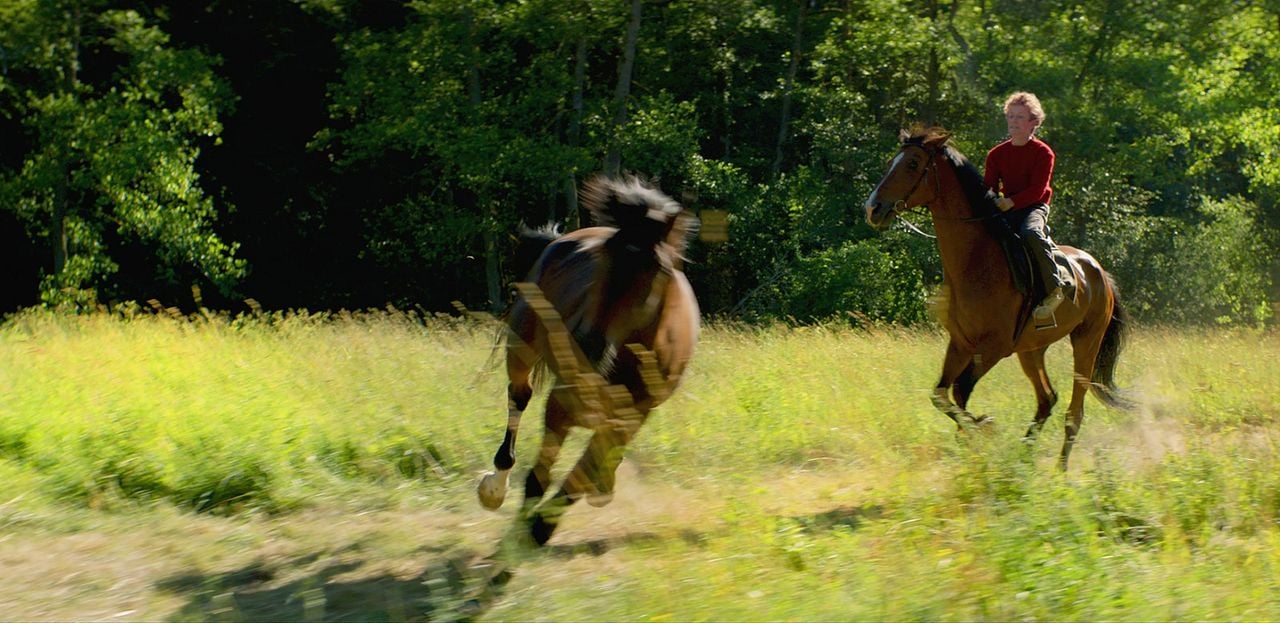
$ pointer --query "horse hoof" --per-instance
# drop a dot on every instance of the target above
(540, 529)
(971, 422)
(600, 499)
(982, 421)
(492, 490)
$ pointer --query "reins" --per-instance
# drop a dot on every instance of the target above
(911, 227)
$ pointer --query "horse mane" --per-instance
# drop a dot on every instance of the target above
(981, 198)
(623, 203)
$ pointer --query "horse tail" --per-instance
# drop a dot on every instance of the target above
(500, 343)
(530, 243)
(1113, 341)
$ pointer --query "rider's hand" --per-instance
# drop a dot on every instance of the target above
(1004, 203)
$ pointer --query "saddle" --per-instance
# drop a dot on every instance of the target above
(1026, 279)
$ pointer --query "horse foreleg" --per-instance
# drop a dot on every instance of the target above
(963, 386)
(538, 481)
(595, 474)
(581, 482)
(593, 477)
(1033, 366)
(492, 489)
(955, 366)
(557, 428)
(637, 380)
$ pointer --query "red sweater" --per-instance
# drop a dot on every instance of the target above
(1021, 173)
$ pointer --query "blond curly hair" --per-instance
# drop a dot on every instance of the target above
(1030, 101)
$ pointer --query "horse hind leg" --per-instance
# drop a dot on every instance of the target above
(543, 520)
(1086, 341)
(593, 477)
(492, 489)
(1033, 366)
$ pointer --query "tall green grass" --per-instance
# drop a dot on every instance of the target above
(259, 411)
(808, 476)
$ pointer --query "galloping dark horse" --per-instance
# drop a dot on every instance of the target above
(608, 308)
(983, 307)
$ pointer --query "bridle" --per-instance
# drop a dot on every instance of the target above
(899, 206)
(931, 166)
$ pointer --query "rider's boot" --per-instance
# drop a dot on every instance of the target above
(1043, 314)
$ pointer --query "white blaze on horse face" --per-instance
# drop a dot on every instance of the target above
(874, 199)
(897, 159)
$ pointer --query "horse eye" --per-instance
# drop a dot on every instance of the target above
(914, 165)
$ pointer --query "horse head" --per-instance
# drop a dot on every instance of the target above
(905, 185)
(636, 262)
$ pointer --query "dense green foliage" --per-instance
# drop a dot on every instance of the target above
(115, 117)
(345, 154)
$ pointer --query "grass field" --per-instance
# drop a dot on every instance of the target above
(307, 467)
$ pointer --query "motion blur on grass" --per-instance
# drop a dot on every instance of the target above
(321, 466)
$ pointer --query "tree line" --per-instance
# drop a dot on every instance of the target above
(328, 154)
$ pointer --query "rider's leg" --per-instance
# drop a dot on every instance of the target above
(1034, 232)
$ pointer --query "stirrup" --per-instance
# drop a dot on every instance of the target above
(1044, 314)
(1044, 323)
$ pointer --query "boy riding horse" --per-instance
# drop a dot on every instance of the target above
(1020, 170)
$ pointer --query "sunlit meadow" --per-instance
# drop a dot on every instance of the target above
(322, 467)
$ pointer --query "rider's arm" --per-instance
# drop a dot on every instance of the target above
(991, 172)
(991, 176)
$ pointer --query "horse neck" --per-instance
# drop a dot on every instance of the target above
(972, 259)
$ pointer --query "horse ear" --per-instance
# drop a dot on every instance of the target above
(938, 139)
(596, 196)
(903, 135)
(682, 227)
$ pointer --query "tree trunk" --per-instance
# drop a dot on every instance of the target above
(613, 159)
(934, 75)
(1096, 48)
(492, 276)
(575, 131)
(61, 192)
(968, 66)
(787, 87)
(58, 223)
